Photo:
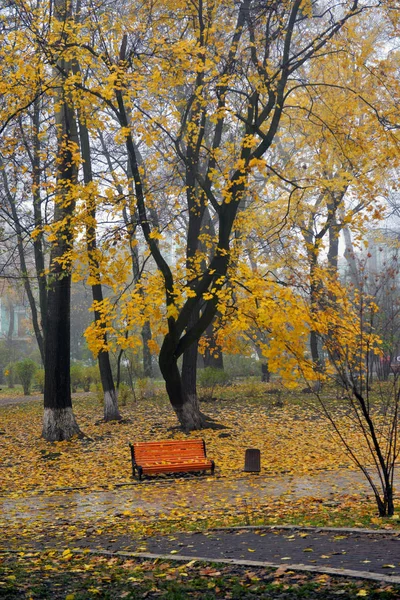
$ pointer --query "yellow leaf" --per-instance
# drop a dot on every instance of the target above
(190, 563)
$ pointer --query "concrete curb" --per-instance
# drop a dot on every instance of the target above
(392, 532)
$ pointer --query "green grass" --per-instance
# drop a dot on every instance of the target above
(17, 390)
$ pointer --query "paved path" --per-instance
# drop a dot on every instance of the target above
(7, 400)
(195, 494)
(351, 552)
(4, 401)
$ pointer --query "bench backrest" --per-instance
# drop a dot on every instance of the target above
(169, 450)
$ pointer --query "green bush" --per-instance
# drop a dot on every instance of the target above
(25, 370)
(39, 379)
(76, 372)
(145, 387)
(90, 375)
(124, 394)
(208, 380)
(9, 374)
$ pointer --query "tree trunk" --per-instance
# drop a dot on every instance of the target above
(58, 420)
(265, 372)
(350, 257)
(10, 340)
(315, 301)
(186, 408)
(385, 505)
(38, 221)
(189, 372)
(110, 395)
(333, 250)
(314, 348)
(147, 358)
(111, 411)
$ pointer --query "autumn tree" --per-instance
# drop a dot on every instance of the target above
(33, 78)
(228, 77)
(328, 156)
(33, 124)
(58, 421)
(111, 411)
(351, 345)
(24, 84)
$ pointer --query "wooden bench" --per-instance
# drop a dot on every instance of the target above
(171, 456)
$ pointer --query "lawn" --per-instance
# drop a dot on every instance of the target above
(292, 439)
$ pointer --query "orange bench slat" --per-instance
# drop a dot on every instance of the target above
(173, 443)
(175, 458)
(156, 463)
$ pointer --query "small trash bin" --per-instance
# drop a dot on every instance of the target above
(252, 461)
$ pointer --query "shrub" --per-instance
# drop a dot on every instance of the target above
(209, 378)
(89, 375)
(9, 374)
(124, 394)
(145, 388)
(76, 372)
(237, 365)
(25, 370)
(39, 379)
